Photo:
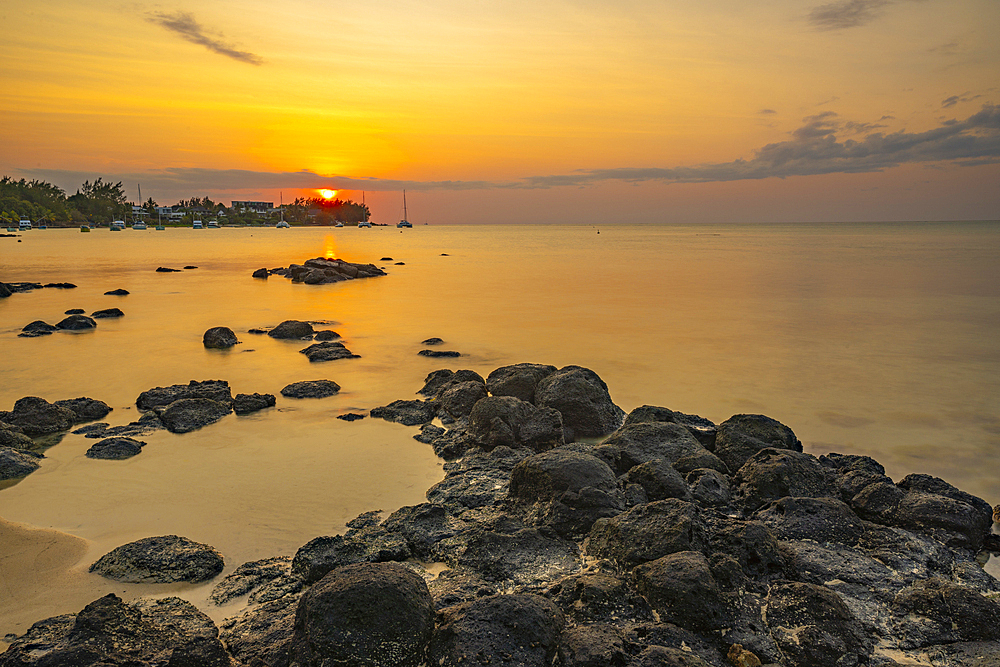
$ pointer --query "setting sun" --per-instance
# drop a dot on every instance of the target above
(328, 194)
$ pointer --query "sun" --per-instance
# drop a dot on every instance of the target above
(328, 194)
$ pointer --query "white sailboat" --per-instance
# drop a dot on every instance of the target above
(404, 222)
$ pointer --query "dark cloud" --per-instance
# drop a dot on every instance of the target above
(767, 112)
(846, 14)
(860, 128)
(185, 25)
(955, 99)
(813, 149)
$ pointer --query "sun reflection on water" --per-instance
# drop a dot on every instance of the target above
(330, 247)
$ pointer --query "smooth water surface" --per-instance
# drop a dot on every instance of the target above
(874, 339)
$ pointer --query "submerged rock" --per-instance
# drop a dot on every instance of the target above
(245, 404)
(160, 560)
(328, 351)
(76, 323)
(291, 330)
(38, 327)
(439, 353)
(311, 389)
(117, 292)
(219, 338)
(189, 414)
(107, 313)
(35, 416)
(86, 409)
(15, 463)
(115, 448)
(216, 390)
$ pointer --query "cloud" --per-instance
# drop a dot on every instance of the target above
(955, 99)
(185, 25)
(813, 149)
(846, 14)
(767, 112)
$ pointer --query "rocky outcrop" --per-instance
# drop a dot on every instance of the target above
(86, 409)
(37, 328)
(160, 560)
(220, 338)
(118, 292)
(583, 400)
(16, 463)
(115, 448)
(328, 351)
(245, 404)
(107, 313)
(158, 397)
(76, 323)
(292, 330)
(189, 414)
(35, 416)
(311, 389)
(323, 271)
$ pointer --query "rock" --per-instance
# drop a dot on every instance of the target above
(351, 416)
(422, 526)
(817, 519)
(38, 327)
(409, 413)
(170, 632)
(264, 580)
(15, 439)
(518, 380)
(217, 390)
(552, 474)
(702, 429)
(429, 341)
(500, 629)
(662, 656)
(189, 414)
(750, 543)
(4, 291)
(86, 409)
(61, 285)
(291, 330)
(582, 398)
(709, 487)
(525, 557)
(458, 399)
(599, 596)
(190, 266)
(36, 416)
(321, 555)
(372, 614)
(659, 480)
(681, 589)
(76, 323)
(107, 313)
(326, 334)
(328, 351)
(260, 273)
(160, 560)
(244, 404)
(595, 645)
(261, 636)
(640, 442)
(742, 436)
(115, 448)
(311, 389)
(813, 626)
(118, 292)
(740, 657)
(164, 269)
(439, 353)
(647, 532)
(511, 422)
(478, 479)
(74, 311)
(773, 473)
(15, 463)
(219, 338)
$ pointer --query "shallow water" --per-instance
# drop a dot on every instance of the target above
(876, 339)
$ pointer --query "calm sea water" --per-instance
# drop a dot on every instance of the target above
(876, 339)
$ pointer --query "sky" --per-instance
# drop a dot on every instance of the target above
(560, 111)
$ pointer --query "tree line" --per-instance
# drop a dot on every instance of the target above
(100, 201)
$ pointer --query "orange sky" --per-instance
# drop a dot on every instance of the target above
(542, 111)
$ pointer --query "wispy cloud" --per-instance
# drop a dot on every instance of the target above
(185, 25)
(813, 149)
(846, 14)
(955, 99)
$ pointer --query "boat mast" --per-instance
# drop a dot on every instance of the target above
(404, 205)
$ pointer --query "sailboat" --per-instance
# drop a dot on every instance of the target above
(404, 222)
(364, 222)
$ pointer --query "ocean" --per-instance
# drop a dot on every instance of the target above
(875, 339)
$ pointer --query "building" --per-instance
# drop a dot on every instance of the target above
(255, 206)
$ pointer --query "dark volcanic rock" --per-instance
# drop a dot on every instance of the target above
(647, 532)
(118, 292)
(511, 422)
(86, 409)
(164, 269)
(351, 416)
(772, 473)
(38, 327)
(478, 479)
(819, 519)
(169, 632)
(291, 330)
(107, 313)
(702, 429)
(681, 589)
(326, 334)
(937, 611)
(311, 389)
(160, 560)
(328, 351)
(518, 380)
(372, 614)
(261, 636)
(409, 413)
(15, 463)
(439, 353)
(260, 273)
(640, 442)
(458, 399)
(264, 580)
(321, 555)
(220, 338)
(4, 291)
(742, 436)
(659, 480)
(582, 398)
(599, 596)
(115, 448)
(75, 311)
(244, 404)
(432, 341)
(524, 557)
(36, 416)
(14, 438)
(498, 630)
(76, 323)
(551, 474)
(189, 414)
(217, 390)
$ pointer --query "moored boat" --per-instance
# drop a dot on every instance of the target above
(404, 222)
(282, 225)
(24, 225)
(196, 225)
(139, 225)
(84, 228)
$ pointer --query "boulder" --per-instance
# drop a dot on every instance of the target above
(75, 311)
(311, 389)
(511, 422)
(189, 414)
(86, 409)
(681, 589)
(118, 292)
(498, 630)
(169, 631)
(438, 354)
(244, 404)
(457, 399)
(217, 390)
(409, 413)
(38, 327)
(818, 519)
(428, 341)
(742, 436)
(773, 473)
(292, 330)
(260, 273)
(599, 596)
(702, 429)
(115, 448)
(261, 580)
(582, 398)
(478, 479)
(551, 474)
(321, 555)
(659, 480)
(370, 614)
(219, 338)
(518, 380)
(647, 532)
(523, 557)
(938, 611)
(261, 635)
(664, 656)
(15, 439)
(166, 269)
(595, 645)
(160, 560)
(326, 334)
(35, 416)
(328, 351)
(4, 291)
(709, 487)
(107, 313)
(16, 463)
(76, 323)
(639, 442)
